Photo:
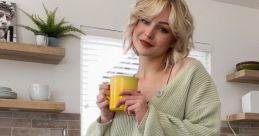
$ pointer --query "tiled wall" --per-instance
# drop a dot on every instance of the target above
(241, 128)
(16, 123)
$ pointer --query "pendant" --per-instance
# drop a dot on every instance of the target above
(159, 93)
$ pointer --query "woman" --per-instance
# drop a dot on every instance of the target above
(176, 96)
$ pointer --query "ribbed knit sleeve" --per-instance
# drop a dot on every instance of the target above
(98, 129)
(201, 112)
(203, 122)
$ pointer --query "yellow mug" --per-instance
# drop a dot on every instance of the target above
(119, 83)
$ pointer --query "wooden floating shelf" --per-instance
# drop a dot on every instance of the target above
(243, 117)
(244, 76)
(31, 53)
(27, 105)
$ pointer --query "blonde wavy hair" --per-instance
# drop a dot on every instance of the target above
(180, 22)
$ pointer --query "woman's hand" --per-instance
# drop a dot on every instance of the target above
(103, 103)
(135, 104)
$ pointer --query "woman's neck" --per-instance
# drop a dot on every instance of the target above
(150, 66)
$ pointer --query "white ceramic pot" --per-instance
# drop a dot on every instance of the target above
(39, 92)
(41, 40)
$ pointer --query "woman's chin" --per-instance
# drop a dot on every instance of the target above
(142, 53)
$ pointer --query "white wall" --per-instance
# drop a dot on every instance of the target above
(231, 30)
(233, 33)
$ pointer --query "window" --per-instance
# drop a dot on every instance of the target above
(102, 57)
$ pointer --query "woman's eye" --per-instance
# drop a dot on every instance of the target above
(144, 21)
(163, 30)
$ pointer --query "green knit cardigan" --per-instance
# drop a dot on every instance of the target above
(188, 106)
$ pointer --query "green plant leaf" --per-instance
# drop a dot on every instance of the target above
(49, 26)
(35, 31)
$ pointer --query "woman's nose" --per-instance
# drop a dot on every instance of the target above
(149, 32)
(148, 36)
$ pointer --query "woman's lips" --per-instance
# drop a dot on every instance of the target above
(145, 43)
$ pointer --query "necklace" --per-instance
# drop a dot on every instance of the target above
(160, 93)
(171, 69)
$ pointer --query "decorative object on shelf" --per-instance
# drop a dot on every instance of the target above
(41, 39)
(7, 93)
(54, 30)
(39, 92)
(7, 21)
(53, 41)
(249, 65)
(250, 102)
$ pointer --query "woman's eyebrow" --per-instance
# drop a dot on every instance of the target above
(163, 23)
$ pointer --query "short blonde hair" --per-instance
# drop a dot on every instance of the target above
(180, 22)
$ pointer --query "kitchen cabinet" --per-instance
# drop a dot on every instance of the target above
(31, 53)
(28, 105)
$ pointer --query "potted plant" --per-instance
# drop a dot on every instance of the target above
(49, 27)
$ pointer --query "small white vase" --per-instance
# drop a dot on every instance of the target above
(41, 40)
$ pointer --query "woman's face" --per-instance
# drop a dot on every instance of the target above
(154, 37)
